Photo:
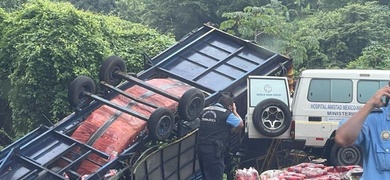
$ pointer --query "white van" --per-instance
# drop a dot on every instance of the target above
(321, 99)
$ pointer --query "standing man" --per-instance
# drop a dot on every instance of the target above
(370, 130)
(216, 123)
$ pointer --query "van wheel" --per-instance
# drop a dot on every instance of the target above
(271, 117)
(340, 156)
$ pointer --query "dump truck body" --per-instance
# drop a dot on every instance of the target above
(208, 59)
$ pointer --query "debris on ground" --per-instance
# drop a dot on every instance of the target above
(247, 174)
(314, 171)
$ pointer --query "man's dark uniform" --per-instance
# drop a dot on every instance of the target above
(212, 139)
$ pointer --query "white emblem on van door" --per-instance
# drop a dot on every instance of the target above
(267, 88)
(385, 135)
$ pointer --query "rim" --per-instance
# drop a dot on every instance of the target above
(83, 89)
(273, 118)
(82, 98)
(164, 125)
(195, 106)
(349, 156)
(113, 75)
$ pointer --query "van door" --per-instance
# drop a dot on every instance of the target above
(269, 112)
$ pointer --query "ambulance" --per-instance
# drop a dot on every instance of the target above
(312, 112)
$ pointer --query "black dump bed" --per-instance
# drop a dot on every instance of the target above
(213, 61)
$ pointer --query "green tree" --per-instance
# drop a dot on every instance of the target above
(322, 40)
(45, 45)
(270, 26)
(344, 33)
(182, 16)
(10, 5)
(375, 56)
(330, 5)
(258, 23)
(101, 6)
(130, 10)
(5, 111)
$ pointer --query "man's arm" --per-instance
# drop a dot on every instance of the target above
(240, 125)
(347, 133)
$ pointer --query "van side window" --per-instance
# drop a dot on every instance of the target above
(330, 90)
(367, 88)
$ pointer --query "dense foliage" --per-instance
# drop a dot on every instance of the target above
(331, 39)
(46, 45)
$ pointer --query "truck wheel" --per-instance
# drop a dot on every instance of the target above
(108, 69)
(271, 117)
(191, 104)
(160, 124)
(77, 87)
(340, 156)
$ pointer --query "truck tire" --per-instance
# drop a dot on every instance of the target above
(191, 104)
(81, 84)
(108, 69)
(160, 124)
(340, 156)
(271, 117)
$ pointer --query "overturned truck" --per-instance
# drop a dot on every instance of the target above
(114, 128)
